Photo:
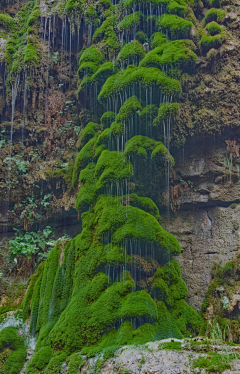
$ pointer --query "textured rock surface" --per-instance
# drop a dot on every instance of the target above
(206, 225)
(149, 359)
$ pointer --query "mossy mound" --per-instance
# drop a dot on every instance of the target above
(12, 351)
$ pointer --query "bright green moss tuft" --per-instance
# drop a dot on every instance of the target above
(157, 39)
(214, 28)
(13, 344)
(208, 42)
(129, 108)
(87, 67)
(177, 8)
(177, 26)
(165, 111)
(131, 53)
(133, 75)
(172, 54)
(39, 360)
(214, 15)
(88, 132)
(130, 21)
(107, 118)
(141, 37)
(76, 361)
(92, 54)
(6, 21)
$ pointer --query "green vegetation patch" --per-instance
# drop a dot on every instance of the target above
(12, 351)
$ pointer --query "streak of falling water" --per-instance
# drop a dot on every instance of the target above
(14, 97)
(24, 105)
(48, 55)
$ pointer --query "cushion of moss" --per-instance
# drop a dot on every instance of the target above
(87, 67)
(129, 21)
(107, 118)
(88, 132)
(141, 37)
(76, 361)
(142, 145)
(15, 359)
(55, 363)
(106, 30)
(165, 111)
(40, 359)
(174, 53)
(22, 48)
(128, 109)
(175, 8)
(214, 15)
(174, 23)
(84, 157)
(104, 71)
(87, 193)
(112, 167)
(6, 21)
(132, 75)
(157, 39)
(130, 52)
(213, 28)
(209, 42)
(92, 54)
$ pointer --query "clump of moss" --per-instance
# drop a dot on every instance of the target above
(12, 344)
(213, 28)
(177, 26)
(133, 75)
(171, 55)
(6, 21)
(131, 53)
(213, 14)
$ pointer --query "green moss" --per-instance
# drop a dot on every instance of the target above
(12, 344)
(107, 118)
(213, 14)
(158, 39)
(141, 37)
(165, 111)
(177, 26)
(208, 42)
(129, 108)
(39, 360)
(172, 54)
(88, 132)
(214, 362)
(87, 67)
(214, 28)
(76, 361)
(55, 363)
(175, 8)
(92, 54)
(6, 21)
(23, 46)
(131, 53)
(130, 21)
(171, 345)
(147, 77)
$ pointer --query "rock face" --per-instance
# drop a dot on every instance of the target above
(207, 222)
